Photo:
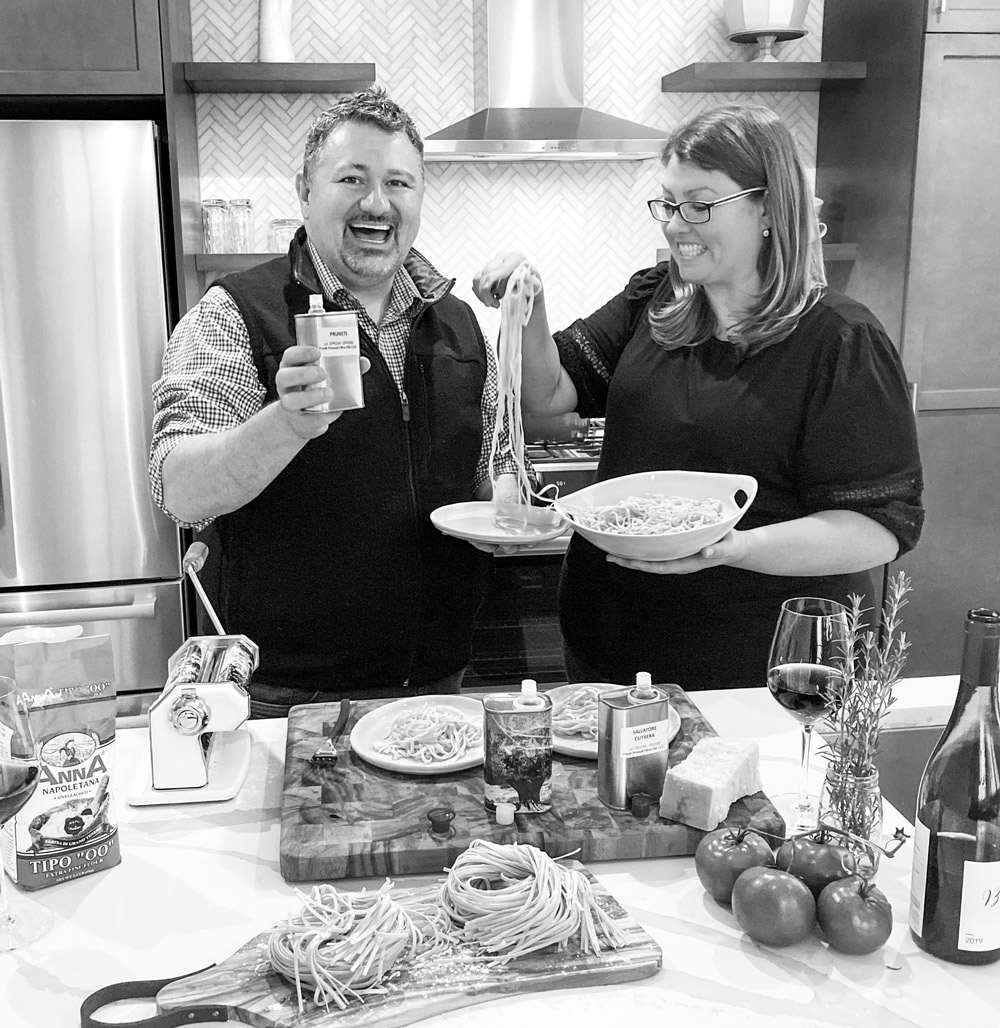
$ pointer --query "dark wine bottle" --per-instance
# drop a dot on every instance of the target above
(955, 885)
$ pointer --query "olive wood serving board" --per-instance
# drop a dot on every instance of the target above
(254, 994)
(354, 820)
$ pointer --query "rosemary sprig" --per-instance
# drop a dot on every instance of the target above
(874, 661)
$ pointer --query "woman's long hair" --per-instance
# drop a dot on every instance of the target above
(750, 144)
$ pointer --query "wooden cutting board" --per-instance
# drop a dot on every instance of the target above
(354, 820)
(254, 994)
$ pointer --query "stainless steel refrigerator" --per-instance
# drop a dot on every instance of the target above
(83, 320)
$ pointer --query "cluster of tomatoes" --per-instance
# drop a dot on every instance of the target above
(780, 897)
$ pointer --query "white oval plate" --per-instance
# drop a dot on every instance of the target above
(576, 745)
(475, 521)
(374, 727)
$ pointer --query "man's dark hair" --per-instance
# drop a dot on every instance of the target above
(370, 106)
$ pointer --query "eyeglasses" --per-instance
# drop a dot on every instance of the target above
(695, 212)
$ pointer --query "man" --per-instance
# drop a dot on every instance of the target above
(326, 555)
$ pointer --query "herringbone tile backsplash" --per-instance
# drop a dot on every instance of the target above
(585, 225)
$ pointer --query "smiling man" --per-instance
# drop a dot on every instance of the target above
(318, 523)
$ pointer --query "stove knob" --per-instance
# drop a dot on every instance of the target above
(189, 713)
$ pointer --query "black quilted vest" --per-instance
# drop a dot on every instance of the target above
(335, 570)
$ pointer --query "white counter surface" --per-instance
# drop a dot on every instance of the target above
(197, 881)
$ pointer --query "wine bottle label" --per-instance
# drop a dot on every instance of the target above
(979, 907)
(918, 877)
(979, 921)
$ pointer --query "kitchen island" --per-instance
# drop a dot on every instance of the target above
(198, 881)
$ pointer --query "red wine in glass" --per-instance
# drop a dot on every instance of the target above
(22, 922)
(809, 692)
(806, 675)
(17, 782)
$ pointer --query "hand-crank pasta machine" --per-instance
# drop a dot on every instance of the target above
(198, 754)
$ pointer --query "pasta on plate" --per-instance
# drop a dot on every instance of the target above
(431, 734)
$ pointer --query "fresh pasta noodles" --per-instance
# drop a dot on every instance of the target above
(342, 945)
(651, 514)
(512, 900)
(430, 734)
(577, 714)
(508, 427)
(496, 903)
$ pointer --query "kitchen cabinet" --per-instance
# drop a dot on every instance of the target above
(963, 15)
(905, 164)
(80, 47)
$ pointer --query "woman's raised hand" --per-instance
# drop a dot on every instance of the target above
(490, 282)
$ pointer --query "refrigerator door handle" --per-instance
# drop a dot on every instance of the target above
(143, 606)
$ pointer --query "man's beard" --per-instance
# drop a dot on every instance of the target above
(368, 264)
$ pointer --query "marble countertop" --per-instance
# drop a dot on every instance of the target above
(196, 881)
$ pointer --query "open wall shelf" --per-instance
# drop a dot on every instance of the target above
(762, 77)
(276, 77)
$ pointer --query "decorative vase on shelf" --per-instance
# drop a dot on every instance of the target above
(274, 31)
(854, 802)
(765, 22)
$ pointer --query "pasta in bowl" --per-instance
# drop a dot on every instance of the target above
(658, 515)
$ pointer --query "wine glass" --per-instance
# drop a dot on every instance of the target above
(24, 921)
(806, 674)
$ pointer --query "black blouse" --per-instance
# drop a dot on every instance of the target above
(822, 420)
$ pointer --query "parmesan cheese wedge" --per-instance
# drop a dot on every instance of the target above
(701, 788)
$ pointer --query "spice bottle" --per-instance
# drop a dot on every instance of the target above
(517, 750)
(633, 742)
(955, 884)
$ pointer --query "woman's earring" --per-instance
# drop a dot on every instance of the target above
(766, 233)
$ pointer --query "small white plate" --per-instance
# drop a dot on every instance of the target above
(475, 521)
(576, 745)
(374, 727)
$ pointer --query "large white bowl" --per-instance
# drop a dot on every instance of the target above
(696, 485)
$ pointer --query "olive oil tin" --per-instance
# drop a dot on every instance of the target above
(633, 742)
(335, 335)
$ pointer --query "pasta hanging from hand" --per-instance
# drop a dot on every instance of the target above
(508, 427)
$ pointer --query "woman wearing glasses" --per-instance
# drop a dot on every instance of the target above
(732, 356)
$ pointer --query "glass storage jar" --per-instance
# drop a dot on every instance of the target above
(215, 225)
(241, 226)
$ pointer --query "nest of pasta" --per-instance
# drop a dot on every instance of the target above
(497, 903)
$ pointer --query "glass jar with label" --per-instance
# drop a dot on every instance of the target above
(241, 226)
(215, 225)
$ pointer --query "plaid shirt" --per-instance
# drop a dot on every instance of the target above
(210, 383)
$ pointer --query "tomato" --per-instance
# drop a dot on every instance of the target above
(816, 862)
(723, 855)
(773, 906)
(854, 915)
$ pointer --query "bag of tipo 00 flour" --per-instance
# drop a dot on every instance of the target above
(67, 828)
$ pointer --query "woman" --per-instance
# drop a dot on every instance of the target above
(732, 356)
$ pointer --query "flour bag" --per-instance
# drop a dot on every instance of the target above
(67, 829)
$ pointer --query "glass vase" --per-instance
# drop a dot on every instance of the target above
(854, 802)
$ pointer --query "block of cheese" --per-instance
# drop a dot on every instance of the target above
(701, 788)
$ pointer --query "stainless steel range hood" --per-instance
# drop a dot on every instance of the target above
(533, 81)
